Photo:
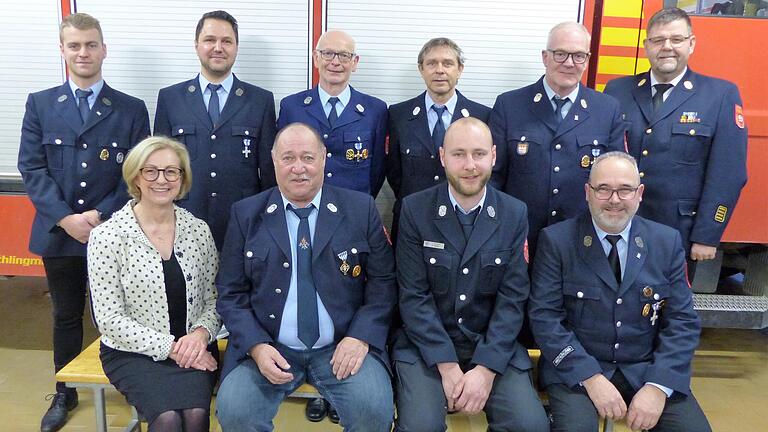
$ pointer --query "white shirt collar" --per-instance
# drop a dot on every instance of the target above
(344, 96)
(315, 201)
(451, 104)
(551, 93)
(455, 203)
(226, 85)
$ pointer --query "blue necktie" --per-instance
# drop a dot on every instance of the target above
(613, 256)
(467, 220)
(306, 295)
(438, 133)
(333, 115)
(82, 103)
(213, 103)
(559, 108)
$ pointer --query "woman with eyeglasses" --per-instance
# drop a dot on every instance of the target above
(151, 268)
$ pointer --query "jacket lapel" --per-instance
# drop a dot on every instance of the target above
(592, 253)
(576, 114)
(66, 107)
(194, 100)
(485, 226)
(235, 101)
(354, 111)
(329, 218)
(541, 106)
(446, 221)
(102, 108)
(419, 124)
(642, 95)
(315, 107)
(275, 222)
(637, 250)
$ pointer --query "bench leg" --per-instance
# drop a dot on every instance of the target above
(135, 424)
(101, 412)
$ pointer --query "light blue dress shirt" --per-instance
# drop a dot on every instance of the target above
(95, 88)
(447, 114)
(289, 326)
(344, 97)
(455, 203)
(223, 91)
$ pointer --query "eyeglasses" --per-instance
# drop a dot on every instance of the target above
(675, 41)
(151, 174)
(605, 193)
(344, 56)
(562, 56)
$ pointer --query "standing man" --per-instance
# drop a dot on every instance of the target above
(688, 134)
(226, 124)
(548, 134)
(74, 139)
(417, 126)
(463, 284)
(613, 314)
(307, 290)
(353, 125)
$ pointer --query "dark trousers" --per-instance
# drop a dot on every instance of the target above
(513, 404)
(67, 279)
(573, 411)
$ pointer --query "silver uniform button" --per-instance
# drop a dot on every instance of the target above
(353, 250)
(557, 169)
(497, 260)
(213, 194)
(57, 141)
(432, 261)
(286, 265)
(85, 146)
(213, 174)
(114, 144)
(80, 201)
(213, 137)
(554, 213)
(249, 254)
(83, 184)
(619, 301)
(555, 191)
(461, 320)
(272, 316)
(579, 294)
(329, 154)
(558, 146)
(325, 135)
(84, 165)
(181, 131)
(618, 323)
(278, 290)
(431, 156)
(329, 175)
(463, 297)
(656, 296)
(616, 346)
(437, 178)
(465, 270)
(213, 155)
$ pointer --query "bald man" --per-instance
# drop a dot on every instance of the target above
(307, 290)
(463, 284)
(353, 125)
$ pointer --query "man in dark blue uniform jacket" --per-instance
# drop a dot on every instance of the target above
(353, 125)
(690, 139)
(613, 313)
(463, 286)
(226, 124)
(413, 162)
(548, 134)
(306, 290)
(74, 139)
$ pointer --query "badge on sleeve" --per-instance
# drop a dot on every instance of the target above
(739, 116)
(720, 213)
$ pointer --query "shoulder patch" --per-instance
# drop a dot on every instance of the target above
(738, 114)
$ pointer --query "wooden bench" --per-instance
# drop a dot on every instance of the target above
(85, 371)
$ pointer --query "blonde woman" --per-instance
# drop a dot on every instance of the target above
(152, 267)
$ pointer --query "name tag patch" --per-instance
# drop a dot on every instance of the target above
(567, 350)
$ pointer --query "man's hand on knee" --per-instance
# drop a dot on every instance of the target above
(475, 386)
(271, 364)
(348, 357)
(605, 397)
(646, 408)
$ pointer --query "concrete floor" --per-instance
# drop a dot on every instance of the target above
(730, 374)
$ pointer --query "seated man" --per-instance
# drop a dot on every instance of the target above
(463, 283)
(613, 314)
(307, 290)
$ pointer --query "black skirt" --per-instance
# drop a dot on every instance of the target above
(155, 387)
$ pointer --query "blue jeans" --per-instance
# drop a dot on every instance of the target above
(247, 401)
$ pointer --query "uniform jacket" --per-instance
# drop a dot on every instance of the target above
(125, 272)
(229, 162)
(68, 167)
(585, 323)
(481, 284)
(255, 271)
(692, 153)
(544, 164)
(355, 146)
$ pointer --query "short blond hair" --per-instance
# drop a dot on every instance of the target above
(80, 21)
(138, 156)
